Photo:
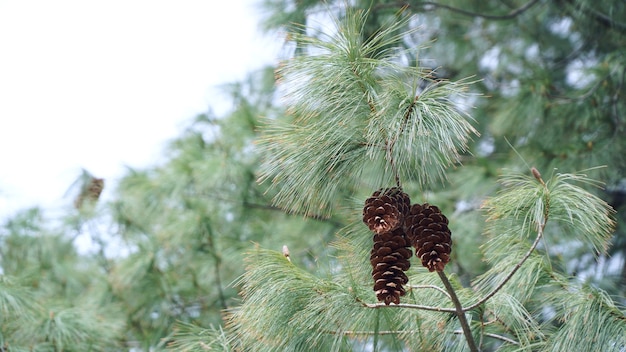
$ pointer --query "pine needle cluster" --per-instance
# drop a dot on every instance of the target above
(50, 295)
(358, 116)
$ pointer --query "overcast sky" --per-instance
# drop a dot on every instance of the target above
(103, 84)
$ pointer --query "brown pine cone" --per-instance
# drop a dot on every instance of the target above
(427, 230)
(390, 259)
(90, 191)
(384, 211)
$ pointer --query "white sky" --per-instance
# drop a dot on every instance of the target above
(103, 84)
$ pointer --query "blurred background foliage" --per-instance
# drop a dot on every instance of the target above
(167, 249)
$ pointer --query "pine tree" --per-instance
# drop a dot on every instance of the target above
(51, 297)
(359, 120)
(551, 74)
(497, 255)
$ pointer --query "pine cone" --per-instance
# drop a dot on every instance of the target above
(390, 259)
(91, 192)
(427, 230)
(384, 211)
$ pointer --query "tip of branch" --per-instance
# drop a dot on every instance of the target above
(286, 252)
(537, 175)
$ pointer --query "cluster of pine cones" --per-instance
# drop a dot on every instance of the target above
(398, 225)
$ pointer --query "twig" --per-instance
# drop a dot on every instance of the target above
(286, 252)
(389, 146)
(366, 332)
(394, 168)
(482, 330)
(540, 229)
(308, 216)
(208, 229)
(600, 17)
(430, 286)
(370, 103)
(407, 332)
(460, 313)
(510, 15)
(503, 338)
(406, 305)
(508, 277)
(494, 336)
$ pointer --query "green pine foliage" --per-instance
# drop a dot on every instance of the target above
(348, 113)
(185, 255)
(286, 307)
(354, 105)
(51, 296)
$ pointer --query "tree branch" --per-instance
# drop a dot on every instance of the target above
(600, 17)
(503, 338)
(218, 262)
(460, 313)
(406, 305)
(366, 332)
(399, 332)
(526, 256)
(430, 286)
(508, 277)
(389, 146)
(308, 216)
(354, 333)
(434, 5)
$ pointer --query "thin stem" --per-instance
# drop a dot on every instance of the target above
(97, 238)
(460, 313)
(218, 283)
(370, 103)
(406, 305)
(508, 277)
(308, 216)
(389, 146)
(430, 286)
(355, 333)
(370, 333)
(394, 168)
(434, 5)
(482, 330)
(218, 262)
(540, 230)
(600, 17)
(503, 338)
(376, 332)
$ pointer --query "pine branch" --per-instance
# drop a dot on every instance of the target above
(406, 332)
(208, 231)
(356, 333)
(354, 112)
(510, 275)
(598, 16)
(434, 5)
(431, 287)
(392, 143)
(316, 217)
(191, 338)
(540, 230)
(406, 305)
(502, 338)
(460, 313)
(590, 321)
